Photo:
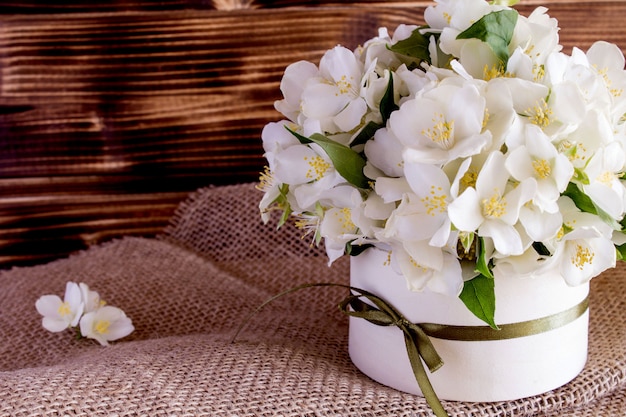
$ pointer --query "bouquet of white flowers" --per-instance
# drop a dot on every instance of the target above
(467, 148)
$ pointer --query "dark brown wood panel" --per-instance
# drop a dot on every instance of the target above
(110, 114)
(64, 6)
(140, 108)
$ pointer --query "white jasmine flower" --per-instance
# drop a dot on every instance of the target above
(415, 81)
(529, 264)
(384, 151)
(593, 132)
(478, 59)
(442, 125)
(83, 309)
(391, 189)
(376, 208)
(493, 206)
(556, 108)
(376, 50)
(539, 224)
(425, 266)
(345, 220)
(292, 85)
(334, 97)
(309, 172)
(452, 17)
(608, 61)
(537, 35)
(58, 314)
(90, 298)
(539, 159)
(605, 187)
(337, 228)
(276, 138)
(423, 213)
(583, 249)
(106, 324)
(455, 14)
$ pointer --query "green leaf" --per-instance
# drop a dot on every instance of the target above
(479, 296)
(283, 202)
(582, 200)
(356, 250)
(366, 133)
(541, 249)
(415, 46)
(387, 106)
(387, 103)
(586, 204)
(621, 252)
(581, 176)
(348, 163)
(303, 139)
(482, 263)
(496, 29)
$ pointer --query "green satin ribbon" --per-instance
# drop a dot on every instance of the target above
(418, 344)
(506, 331)
(417, 336)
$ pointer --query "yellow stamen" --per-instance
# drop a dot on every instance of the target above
(495, 206)
(266, 180)
(441, 132)
(542, 168)
(417, 266)
(318, 167)
(345, 219)
(540, 114)
(582, 257)
(539, 72)
(574, 152)
(388, 260)
(435, 203)
(496, 71)
(615, 92)
(102, 326)
(344, 85)
(469, 179)
(606, 178)
(64, 309)
(485, 118)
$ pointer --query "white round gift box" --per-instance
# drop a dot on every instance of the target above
(474, 371)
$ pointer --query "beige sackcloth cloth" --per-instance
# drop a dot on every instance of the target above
(188, 290)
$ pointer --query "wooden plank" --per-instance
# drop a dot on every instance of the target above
(139, 109)
(108, 118)
(79, 6)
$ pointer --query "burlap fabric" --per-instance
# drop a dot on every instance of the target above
(188, 291)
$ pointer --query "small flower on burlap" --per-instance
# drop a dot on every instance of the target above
(83, 310)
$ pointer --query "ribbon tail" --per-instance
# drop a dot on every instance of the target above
(422, 377)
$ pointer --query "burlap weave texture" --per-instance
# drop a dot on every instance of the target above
(188, 291)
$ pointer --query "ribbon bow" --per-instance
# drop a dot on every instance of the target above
(418, 344)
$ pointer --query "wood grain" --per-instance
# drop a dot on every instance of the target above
(110, 114)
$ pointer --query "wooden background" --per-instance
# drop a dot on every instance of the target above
(112, 112)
